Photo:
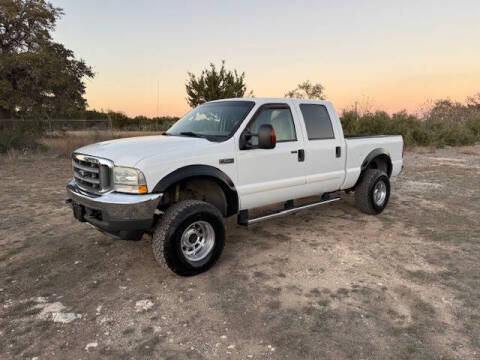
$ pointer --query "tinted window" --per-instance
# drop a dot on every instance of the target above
(317, 121)
(281, 120)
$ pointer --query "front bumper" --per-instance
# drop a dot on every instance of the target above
(114, 213)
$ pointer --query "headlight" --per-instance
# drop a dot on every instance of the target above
(129, 180)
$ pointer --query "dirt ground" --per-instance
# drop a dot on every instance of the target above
(326, 283)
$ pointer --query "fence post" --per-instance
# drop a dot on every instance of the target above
(110, 124)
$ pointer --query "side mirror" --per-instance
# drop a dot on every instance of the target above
(267, 139)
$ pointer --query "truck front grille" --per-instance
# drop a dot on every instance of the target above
(92, 174)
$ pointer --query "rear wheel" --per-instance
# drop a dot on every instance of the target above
(373, 192)
(189, 238)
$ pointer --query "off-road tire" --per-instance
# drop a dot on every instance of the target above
(364, 192)
(170, 227)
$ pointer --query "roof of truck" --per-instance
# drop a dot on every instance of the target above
(270, 100)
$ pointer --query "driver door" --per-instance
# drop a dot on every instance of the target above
(267, 176)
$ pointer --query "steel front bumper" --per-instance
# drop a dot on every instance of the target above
(115, 213)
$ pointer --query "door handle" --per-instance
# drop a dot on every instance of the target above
(301, 155)
(338, 151)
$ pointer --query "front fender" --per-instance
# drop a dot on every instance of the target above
(202, 171)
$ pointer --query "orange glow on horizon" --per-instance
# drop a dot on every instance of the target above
(392, 55)
(409, 93)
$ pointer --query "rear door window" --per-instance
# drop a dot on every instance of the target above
(317, 121)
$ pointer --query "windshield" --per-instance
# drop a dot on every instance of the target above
(215, 121)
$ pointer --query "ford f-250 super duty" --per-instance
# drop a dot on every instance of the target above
(224, 158)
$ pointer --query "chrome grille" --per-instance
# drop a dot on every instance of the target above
(92, 174)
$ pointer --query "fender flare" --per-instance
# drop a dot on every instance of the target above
(202, 171)
(374, 154)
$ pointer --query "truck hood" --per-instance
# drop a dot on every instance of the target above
(129, 151)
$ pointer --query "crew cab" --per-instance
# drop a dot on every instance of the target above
(225, 158)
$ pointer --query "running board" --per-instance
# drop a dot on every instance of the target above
(244, 220)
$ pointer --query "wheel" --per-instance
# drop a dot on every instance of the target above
(373, 192)
(189, 238)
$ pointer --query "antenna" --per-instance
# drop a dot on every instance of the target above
(158, 90)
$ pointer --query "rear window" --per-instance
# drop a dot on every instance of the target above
(317, 121)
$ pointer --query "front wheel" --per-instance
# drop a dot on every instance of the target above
(373, 192)
(189, 238)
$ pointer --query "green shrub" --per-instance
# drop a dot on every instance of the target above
(373, 123)
(447, 123)
(123, 122)
(349, 122)
(473, 125)
(119, 120)
(20, 135)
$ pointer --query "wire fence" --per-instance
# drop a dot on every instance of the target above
(51, 126)
(54, 126)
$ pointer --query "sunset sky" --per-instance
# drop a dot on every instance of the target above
(393, 55)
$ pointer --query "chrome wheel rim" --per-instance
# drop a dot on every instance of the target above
(379, 193)
(197, 241)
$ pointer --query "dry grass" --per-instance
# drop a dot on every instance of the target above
(468, 150)
(11, 156)
(72, 140)
(423, 149)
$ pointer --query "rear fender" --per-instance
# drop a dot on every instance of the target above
(370, 159)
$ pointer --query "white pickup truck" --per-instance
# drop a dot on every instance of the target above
(224, 158)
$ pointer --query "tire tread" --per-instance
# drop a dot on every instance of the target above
(167, 225)
(363, 199)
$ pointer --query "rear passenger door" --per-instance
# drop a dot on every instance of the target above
(324, 148)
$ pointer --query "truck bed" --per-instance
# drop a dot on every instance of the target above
(358, 147)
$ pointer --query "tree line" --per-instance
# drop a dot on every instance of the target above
(41, 79)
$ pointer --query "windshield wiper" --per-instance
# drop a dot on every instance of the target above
(192, 134)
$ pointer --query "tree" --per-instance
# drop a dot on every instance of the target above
(213, 84)
(474, 101)
(38, 77)
(307, 90)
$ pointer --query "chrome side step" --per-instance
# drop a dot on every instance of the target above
(244, 220)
